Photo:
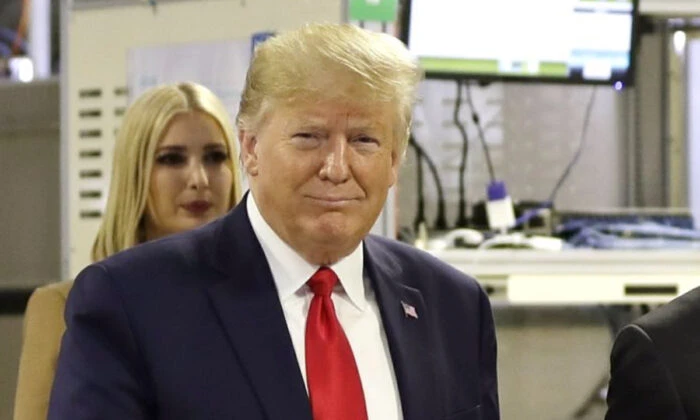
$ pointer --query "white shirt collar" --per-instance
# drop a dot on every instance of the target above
(291, 271)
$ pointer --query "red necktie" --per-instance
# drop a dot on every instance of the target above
(334, 384)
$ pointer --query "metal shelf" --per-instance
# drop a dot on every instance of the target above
(579, 277)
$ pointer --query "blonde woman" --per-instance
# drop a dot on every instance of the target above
(174, 169)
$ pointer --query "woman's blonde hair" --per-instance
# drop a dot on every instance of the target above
(144, 124)
(338, 62)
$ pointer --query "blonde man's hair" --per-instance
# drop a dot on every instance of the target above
(338, 62)
(144, 124)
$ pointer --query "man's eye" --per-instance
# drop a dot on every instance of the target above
(171, 159)
(366, 140)
(306, 140)
(306, 135)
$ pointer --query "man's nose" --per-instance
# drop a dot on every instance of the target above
(335, 165)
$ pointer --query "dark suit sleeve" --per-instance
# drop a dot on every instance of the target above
(100, 373)
(489, 380)
(641, 387)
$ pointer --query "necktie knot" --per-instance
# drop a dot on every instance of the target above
(323, 281)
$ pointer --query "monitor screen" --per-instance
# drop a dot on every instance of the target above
(579, 41)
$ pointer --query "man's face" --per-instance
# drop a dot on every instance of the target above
(320, 174)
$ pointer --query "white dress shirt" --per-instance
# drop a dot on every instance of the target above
(356, 308)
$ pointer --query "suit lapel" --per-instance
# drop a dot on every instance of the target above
(409, 338)
(250, 312)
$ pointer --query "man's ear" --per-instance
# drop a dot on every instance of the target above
(396, 159)
(249, 156)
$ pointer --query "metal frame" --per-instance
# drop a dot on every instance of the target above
(579, 277)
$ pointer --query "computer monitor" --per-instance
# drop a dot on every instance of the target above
(564, 41)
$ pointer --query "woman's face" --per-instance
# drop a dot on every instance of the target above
(191, 177)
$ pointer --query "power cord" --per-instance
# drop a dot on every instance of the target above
(440, 221)
(499, 206)
(462, 220)
(482, 138)
(639, 196)
(581, 144)
(528, 215)
(420, 212)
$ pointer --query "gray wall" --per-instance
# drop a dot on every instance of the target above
(10, 344)
(29, 209)
(29, 168)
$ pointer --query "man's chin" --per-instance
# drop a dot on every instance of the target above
(327, 253)
(330, 228)
(324, 241)
(337, 237)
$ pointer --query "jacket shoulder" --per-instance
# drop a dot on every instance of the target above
(679, 314)
(417, 264)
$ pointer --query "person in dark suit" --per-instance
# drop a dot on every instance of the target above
(286, 308)
(654, 364)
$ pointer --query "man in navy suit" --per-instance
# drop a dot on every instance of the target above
(286, 308)
(654, 364)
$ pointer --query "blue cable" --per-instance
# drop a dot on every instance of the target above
(532, 213)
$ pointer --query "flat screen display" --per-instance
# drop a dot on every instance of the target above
(575, 41)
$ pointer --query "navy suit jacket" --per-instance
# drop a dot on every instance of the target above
(655, 364)
(191, 327)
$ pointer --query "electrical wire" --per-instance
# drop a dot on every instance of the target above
(420, 211)
(525, 217)
(577, 155)
(482, 138)
(639, 196)
(440, 221)
(462, 220)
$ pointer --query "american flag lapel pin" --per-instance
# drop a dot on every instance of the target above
(409, 310)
